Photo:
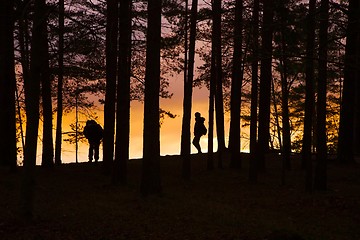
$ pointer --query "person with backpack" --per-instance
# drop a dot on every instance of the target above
(199, 130)
(94, 133)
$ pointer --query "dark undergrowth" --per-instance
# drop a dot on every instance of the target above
(77, 201)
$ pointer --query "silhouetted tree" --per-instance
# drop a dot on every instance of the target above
(150, 181)
(123, 94)
(357, 115)
(212, 90)
(265, 82)
(320, 181)
(47, 141)
(210, 158)
(219, 101)
(59, 115)
(236, 83)
(254, 91)
(185, 147)
(32, 95)
(347, 115)
(309, 91)
(283, 13)
(110, 93)
(188, 86)
(7, 85)
(23, 39)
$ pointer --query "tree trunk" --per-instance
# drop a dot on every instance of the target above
(286, 150)
(110, 94)
(7, 86)
(309, 92)
(32, 95)
(320, 180)
(150, 181)
(47, 141)
(265, 83)
(219, 107)
(210, 159)
(254, 93)
(24, 46)
(58, 137)
(236, 84)
(123, 95)
(357, 114)
(285, 92)
(347, 113)
(185, 147)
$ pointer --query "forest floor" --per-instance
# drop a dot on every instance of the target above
(77, 201)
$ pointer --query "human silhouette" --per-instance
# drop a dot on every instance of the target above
(94, 133)
(199, 130)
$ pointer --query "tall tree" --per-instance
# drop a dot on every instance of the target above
(236, 83)
(59, 115)
(110, 94)
(210, 158)
(219, 101)
(347, 115)
(47, 141)
(309, 94)
(320, 181)
(123, 94)
(357, 116)
(188, 86)
(185, 140)
(7, 85)
(254, 91)
(32, 95)
(265, 82)
(284, 87)
(151, 181)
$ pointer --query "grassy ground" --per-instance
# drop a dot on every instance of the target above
(76, 201)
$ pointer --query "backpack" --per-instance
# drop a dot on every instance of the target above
(203, 129)
(99, 131)
(93, 132)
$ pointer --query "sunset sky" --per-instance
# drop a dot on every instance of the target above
(170, 132)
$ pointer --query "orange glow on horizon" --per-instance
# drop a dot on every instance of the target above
(170, 131)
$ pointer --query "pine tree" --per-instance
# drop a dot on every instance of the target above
(151, 181)
(7, 85)
(236, 84)
(265, 83)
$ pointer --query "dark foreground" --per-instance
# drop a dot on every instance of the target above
(77, 202)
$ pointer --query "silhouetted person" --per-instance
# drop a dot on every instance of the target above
(94, 133)
(199, 130)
